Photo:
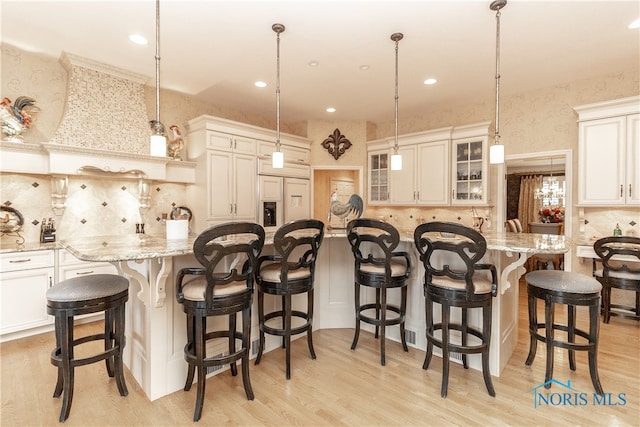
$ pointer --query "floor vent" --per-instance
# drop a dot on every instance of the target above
(211, 369)
(455, 356)
(254, 347)
(410, 336)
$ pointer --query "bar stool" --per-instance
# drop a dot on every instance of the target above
(572, 289)
(221, 288)
(454, 277)
(379, 266)
(83, 295)
(291, 271)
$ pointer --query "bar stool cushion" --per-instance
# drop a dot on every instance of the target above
(87, 288)
(563, 281)
(398, 268)
(195, 288)
(617, 274)
(272, 273)
(481, 285)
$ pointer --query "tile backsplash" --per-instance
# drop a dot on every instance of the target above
(95, 205)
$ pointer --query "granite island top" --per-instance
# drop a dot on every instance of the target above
(144, 246)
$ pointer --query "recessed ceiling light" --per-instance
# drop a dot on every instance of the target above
(313, 63)
(364, 67)
(260, 84)
(138, 39)
(430, 81)
(635, 24)
(331, 110)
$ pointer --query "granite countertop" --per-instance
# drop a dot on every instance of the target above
(145, 246)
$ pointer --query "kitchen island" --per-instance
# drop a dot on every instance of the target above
(156, 325)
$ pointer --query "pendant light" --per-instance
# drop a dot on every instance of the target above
(396, 159)
(496, 152)
(158, 142)
(277, 160)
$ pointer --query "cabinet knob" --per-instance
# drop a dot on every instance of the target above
(629, 190)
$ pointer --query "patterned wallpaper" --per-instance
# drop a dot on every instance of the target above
(539, 120)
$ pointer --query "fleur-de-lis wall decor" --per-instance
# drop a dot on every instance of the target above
(336, 144)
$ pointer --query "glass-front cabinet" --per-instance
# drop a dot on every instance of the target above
(379, 177)
(470, 168)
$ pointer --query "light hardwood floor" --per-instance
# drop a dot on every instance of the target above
(341, 387)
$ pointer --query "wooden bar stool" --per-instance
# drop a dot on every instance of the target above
(84, 295)
(572, 289)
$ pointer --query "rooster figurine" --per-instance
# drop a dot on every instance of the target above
(342, 210)
(176, 144)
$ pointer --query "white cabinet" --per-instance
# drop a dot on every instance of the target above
(231, 186)
(69, 267)
(378, 177)
(609, 153)
(228, 156)
(24, 281)
(470, 161)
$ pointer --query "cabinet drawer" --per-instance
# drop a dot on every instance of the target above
(291, 154)
(26, 260)
(290, 169)
(86, 269)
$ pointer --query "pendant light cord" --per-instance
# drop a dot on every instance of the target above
(497, 131)
(158, 62)
(278, 28)
(396, 37)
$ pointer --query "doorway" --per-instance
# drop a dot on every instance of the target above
(537, 163)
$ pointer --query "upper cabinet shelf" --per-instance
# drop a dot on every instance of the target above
(58, 159)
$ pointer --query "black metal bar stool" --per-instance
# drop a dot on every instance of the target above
(84, 295)
(572, 289)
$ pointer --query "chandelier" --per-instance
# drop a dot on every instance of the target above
(551, 193)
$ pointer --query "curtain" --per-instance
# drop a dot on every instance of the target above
(529, 205)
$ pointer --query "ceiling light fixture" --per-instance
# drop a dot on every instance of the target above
(158, 143)
(496, 152)
(635, 24)
(396, 159)
(430, 81)
(551, 194)
(138, 39)
(331, 110)
(260, 84)
(277, 160)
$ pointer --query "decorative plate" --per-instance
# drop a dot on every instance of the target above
(11, 219)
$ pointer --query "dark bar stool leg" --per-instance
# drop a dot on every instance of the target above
(571, 334)
(403, 311)
(594, 326)
(120, 343)
(60, 318)
(232, 341)
(464, 332)
(383, 322)
(357, 306)
(310, 301)
(191, 370)
(445, 349)
(486, 332)
(428, 304)
(376, 335)
(199, 347)
(66, 354)
(246, 338)
(108, 339)
(549, 320)
(260, 324)
(286, 313)
(533, 328)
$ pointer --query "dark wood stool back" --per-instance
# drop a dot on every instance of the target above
(84, 295)
(378, 265)
(570, 289)
(620, 257)
(455, 277)
(290, 271)
(223, 286)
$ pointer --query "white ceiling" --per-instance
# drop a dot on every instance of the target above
(216, 49)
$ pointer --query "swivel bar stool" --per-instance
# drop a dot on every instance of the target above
(223, 286)
(291, 271)
(83, 295)
(455, 277)
(378, 266)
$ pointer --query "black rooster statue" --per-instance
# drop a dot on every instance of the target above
(343, 210)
